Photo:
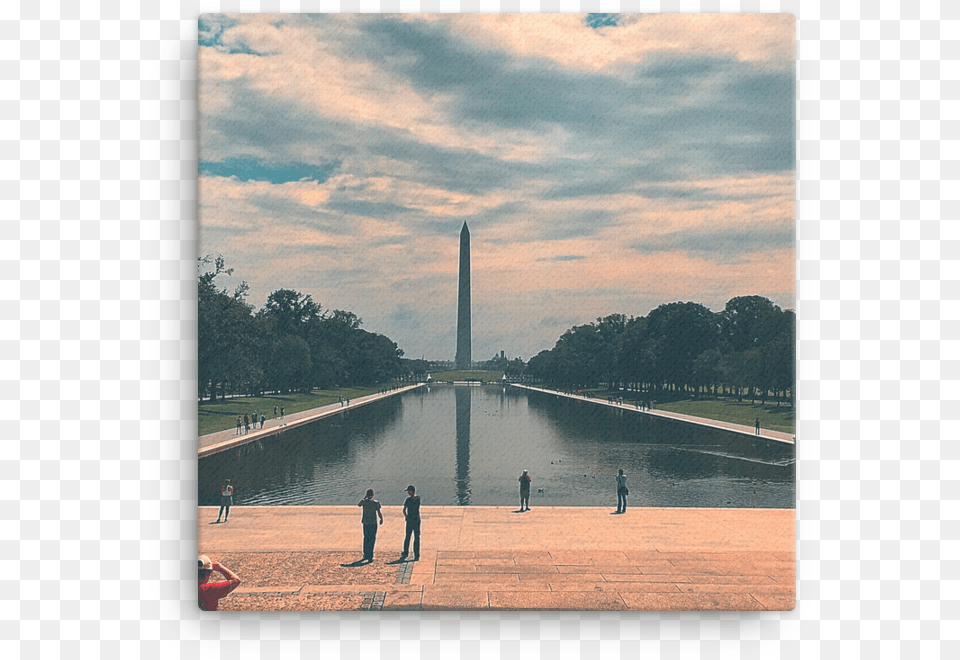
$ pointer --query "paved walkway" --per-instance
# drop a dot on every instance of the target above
(565, 558)
(702, 421)
(213, 443)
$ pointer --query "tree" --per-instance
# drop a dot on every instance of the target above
(290, 364)
(226, 334)
(706, 368)
(289, 311)
(749, 322)
(684, 331)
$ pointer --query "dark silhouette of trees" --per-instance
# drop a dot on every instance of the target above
(682, 348)
(290, 344)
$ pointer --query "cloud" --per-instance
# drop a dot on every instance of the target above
(726, 245)
(603, 164)
(563, 257)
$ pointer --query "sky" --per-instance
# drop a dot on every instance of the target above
(604, 163)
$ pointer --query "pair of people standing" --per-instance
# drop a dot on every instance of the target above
(372, 512)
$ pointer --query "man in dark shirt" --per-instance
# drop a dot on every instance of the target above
(371, 511)
(411, 512)
(525, 491)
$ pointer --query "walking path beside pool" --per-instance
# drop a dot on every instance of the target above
(702, 421)
(492, 558)
(213, 443)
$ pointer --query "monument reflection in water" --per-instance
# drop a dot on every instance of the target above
(467, 446)
(463, 399)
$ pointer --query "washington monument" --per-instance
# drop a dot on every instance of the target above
(464, 359)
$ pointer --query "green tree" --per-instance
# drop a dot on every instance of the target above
(290, 364)
(226, 333)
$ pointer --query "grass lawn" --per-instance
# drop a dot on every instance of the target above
(222, 415)
(773, 417)
(486, 376)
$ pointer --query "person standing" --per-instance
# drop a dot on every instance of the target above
(622, 492)
(239, 425)
(525, 491)
(263, 418)
(281, 412)
(246, 423)
(209, 593)
(226, 500)
(371, 511)
(757, 426)
(274, 412)
(411, 513)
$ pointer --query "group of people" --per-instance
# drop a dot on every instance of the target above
(244, 421)
(372, 517)
(622, 491)
(209, 593)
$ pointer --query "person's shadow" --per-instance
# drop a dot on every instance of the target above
(359, 562)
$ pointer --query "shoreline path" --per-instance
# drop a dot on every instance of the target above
(213, 443)
(701, 421)
(488, 558)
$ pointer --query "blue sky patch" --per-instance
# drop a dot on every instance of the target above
(210, 29)
(602, 20)
(251, 169)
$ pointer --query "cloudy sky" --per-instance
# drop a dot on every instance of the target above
(605, 163)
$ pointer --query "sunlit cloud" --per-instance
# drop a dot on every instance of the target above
(604, 164)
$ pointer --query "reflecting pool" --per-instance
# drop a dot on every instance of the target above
(468, 445)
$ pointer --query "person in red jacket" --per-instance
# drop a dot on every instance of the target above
(209, 593)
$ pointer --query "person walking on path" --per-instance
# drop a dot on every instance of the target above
(411, 513)
(371, 511)
(274, 412)
(246, 423)
(263, 418)
(622, 492)
(757, 426)
(281, 412)
(226, 500)
(209, 593)
(239, 425)
(524, 491)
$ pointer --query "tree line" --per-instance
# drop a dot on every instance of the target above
(289, 344)
(681, 348)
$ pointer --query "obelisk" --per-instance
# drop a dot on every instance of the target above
(464, 353)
